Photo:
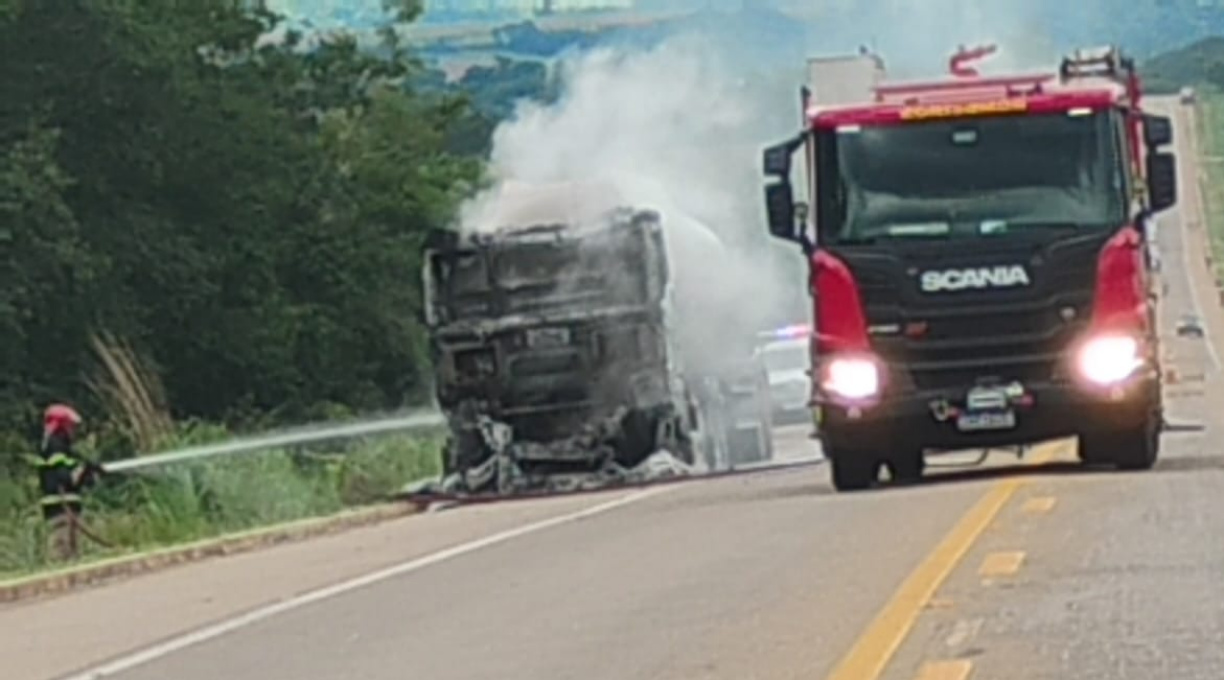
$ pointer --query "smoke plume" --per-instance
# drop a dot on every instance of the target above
(677, 128)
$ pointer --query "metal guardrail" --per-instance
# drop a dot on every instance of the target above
(417, 421)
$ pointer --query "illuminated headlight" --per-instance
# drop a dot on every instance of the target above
(1109, 359)
(852, 377)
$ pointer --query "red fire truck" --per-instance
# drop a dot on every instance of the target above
(980, 264)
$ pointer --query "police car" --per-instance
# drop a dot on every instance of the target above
(785, 353)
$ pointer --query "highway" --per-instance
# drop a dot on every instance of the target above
(1020, 569)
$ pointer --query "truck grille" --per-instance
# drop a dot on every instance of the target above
(961, 346)
(956, 339)
(542, 377)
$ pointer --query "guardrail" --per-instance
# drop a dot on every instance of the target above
(416, 421)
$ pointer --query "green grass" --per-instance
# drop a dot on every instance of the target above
(1211, 136)
(186, 502)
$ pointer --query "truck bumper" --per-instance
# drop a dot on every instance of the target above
(1050, 411)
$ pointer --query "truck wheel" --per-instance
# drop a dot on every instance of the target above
(906, 465)
(1132, 448)
(637, 439)
(851, 469)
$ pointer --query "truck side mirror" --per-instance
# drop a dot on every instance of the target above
(780, 203)
(1162, 180)
(1157, 131)
(777, 160)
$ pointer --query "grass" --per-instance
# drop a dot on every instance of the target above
(192, 501)
(1211, 136)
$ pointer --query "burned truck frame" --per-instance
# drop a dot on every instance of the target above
(554, 353)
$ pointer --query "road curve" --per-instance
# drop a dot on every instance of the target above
(1021, 569)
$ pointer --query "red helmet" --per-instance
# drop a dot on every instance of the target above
(60, 417)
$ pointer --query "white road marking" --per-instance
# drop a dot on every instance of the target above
(230, 625)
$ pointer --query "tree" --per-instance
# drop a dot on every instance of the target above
(245, 213)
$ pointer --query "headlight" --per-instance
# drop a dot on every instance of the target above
(852, 377)
(1109, 359)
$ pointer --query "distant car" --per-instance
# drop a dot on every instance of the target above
(787, 362)
(1187, 95)
(1189, 327)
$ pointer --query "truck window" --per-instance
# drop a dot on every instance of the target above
(458, 286)
(979, 177)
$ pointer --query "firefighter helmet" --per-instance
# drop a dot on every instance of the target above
(60, 418)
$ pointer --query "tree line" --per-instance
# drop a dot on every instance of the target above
(202, 221)
(206, 216)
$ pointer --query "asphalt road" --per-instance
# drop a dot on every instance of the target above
(1026, 569)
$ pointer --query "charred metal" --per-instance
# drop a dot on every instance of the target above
(556, 358)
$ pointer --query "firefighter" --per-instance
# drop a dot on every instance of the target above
(62, 477)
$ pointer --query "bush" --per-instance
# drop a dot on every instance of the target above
(191, 501)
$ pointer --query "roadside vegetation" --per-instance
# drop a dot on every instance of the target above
(1200, 65)
(188, 502)
(210, 227)
(1211, 136)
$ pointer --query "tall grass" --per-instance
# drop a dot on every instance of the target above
(1211, 136)
(192, 501)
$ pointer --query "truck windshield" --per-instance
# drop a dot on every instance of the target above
(531, 278)
(538, 266)
(458, 285)
(972, 178)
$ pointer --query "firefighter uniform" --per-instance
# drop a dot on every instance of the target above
(62, 477)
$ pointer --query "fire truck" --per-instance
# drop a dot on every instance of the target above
(980, 264)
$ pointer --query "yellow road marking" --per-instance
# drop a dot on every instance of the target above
(1001, 563)
(945, 670)
(1039, 505)
(877, 644)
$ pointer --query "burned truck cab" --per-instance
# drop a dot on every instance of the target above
(551, 350)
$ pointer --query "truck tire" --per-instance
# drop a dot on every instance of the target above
(638, 438)
(906, 465)
(1132, 448)
(852, 469)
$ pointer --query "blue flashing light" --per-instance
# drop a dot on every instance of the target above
(787, 332)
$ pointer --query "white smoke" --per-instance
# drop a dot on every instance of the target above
(674, 116)
(916, 37)
(678, 128)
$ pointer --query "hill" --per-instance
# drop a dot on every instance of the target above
(1201, 62)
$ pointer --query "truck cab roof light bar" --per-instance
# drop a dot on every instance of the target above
(1003, 86)
(1097, 61)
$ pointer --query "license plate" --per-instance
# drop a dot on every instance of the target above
(989, 420)
(548, 337)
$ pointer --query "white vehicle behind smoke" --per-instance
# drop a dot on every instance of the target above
(787, 358)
